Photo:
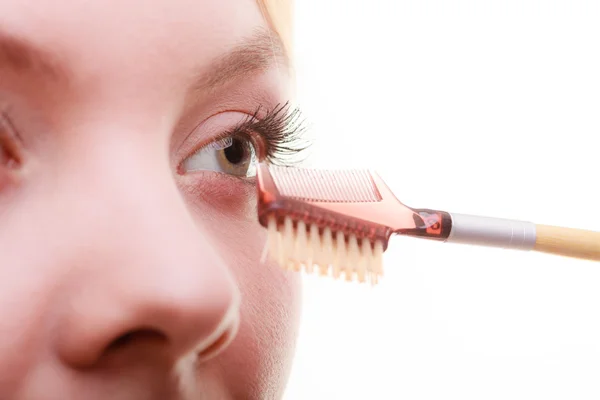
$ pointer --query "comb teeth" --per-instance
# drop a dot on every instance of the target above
(325, 185)
(306, 247)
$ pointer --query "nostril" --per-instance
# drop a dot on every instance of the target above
(138, 335)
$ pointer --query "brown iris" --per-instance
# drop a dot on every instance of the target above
(237, 159)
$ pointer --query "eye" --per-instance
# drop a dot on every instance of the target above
(233, 155)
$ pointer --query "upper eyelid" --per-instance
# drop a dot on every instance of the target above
(219, 144)
(204, 141)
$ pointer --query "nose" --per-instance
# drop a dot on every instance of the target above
(143, 282)
(168, 313)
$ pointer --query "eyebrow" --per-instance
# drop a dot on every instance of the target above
(256, 53)
(20, 55)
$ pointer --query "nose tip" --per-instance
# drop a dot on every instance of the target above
(173, 318)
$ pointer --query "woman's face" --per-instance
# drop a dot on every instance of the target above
(130, 255)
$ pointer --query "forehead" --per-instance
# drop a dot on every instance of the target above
(150, 37)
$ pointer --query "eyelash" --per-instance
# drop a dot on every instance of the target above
(282, 131)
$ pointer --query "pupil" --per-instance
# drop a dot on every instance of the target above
(236, 152)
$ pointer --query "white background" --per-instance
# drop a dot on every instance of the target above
(482, 107)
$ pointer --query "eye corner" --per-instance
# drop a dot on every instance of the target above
(12, 155)
(179, 169)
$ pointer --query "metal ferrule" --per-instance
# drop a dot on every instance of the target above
(492, 232)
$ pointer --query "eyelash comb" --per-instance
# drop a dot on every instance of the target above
(339, 222)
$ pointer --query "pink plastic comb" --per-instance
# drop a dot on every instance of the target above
(340, 221)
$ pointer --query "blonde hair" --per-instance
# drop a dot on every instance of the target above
(279, 15)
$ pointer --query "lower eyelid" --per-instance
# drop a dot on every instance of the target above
(211, 186)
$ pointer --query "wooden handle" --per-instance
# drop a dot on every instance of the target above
(569, 242)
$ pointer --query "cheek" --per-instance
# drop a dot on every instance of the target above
(265, 344)
(270, 295)
(260, 357)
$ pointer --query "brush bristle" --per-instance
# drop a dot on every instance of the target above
(306, 247)
(325, 185)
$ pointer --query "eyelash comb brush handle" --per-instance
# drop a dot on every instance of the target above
(521, 235)
(340, 221)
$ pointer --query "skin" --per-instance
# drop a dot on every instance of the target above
(116, 270)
